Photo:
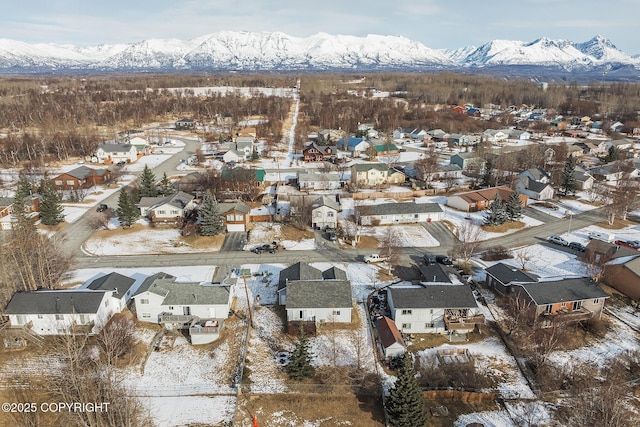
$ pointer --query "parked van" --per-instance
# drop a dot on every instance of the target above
(606, 237)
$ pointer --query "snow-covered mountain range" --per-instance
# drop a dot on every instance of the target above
(273, 51)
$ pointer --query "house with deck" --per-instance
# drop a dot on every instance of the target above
(172, 208)
(312, 296)
(444, 309)
(120, 286)
(58, 312)
(115, 153)
(199, 307)
(319, 153)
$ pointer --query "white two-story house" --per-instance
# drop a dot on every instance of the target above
(324, 213)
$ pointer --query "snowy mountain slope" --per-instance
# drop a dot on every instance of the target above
(229, 50)
(564, 54)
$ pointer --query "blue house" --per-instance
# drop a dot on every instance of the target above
(353, 144)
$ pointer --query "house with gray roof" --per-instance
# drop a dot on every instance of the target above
(120, 286)
(167, 209)
(468, 160)
(313, 295)
(160, 299)
(536, 190)
(114, 153)
(235, 215)
(324, 212)
(308, 180)
(500, 277)
(58, 312)
(444, 309)
(565, 300)
(400, 213)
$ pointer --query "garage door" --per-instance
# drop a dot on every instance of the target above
(235, 227)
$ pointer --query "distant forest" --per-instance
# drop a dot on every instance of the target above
(56, 118)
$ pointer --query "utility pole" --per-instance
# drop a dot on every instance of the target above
(246, 292)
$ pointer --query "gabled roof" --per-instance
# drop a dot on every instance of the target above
(154, 284)
(532, 185)
(537, 173)
(364, 167)
(115, 148)
(351, 141)
(400, 208)
(319, 294)
(309, 176)
(507, 274)
(486, 194)
(327, 201)
(197, 294)
(434, 273)
(567, 290)
(55, 302)
(634, 265)
(179, 200)
(433, 296)
(112, 282)
(388, 332)
(385, 147)
(303, 271)
(83, 172)
(324, 149)
(238, 206)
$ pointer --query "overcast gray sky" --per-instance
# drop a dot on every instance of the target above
(435, 23)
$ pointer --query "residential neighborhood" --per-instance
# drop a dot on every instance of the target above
(229, 259)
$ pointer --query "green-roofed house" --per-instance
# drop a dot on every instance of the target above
(372, 174)
(386, 149)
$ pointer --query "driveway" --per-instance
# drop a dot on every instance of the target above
(234, 241)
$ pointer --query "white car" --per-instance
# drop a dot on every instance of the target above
(374, 258)
(558, 240)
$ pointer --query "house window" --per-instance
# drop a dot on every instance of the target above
(406, 312)
(58, 182)
(171, 307)
(415, 216)
(70, 182)
(174, 212)
(336, 313)
(577, 305)
(431, 311)
(330, 214)
(146, 315)
(548, 309)
(239, 217)
(106, 303)
(596, 301)
(40, 316)
(429, 325)
(162, 212)
(144, 301)
(59, 317)
(406, 326)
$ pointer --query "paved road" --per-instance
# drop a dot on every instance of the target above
(76, 233)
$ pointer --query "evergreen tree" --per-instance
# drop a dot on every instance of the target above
(23, 190)
(147, 183)
(496, 212)
(51, 210)
(127, 210)
(166, 188)
(487, 177)
(299, 366)
(568, 185)
(514, 207)
(211, 223)
(405, 404)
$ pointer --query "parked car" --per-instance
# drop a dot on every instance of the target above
(444, 260)
(577, 246)
(271, 248)
(558, 240)
(429, 258)
(331, 235)
(102, 207)
(633, 244)
(374, 258)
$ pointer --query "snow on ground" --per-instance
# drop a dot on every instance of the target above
(146, 241)
(266, 233)
(491, 357)
(618, 340)
(409, 235)
(191, 410)
(548, 261)
(192, 273)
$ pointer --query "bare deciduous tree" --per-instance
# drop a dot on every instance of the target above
(390, 247)
(467, 241)
(117, 338)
